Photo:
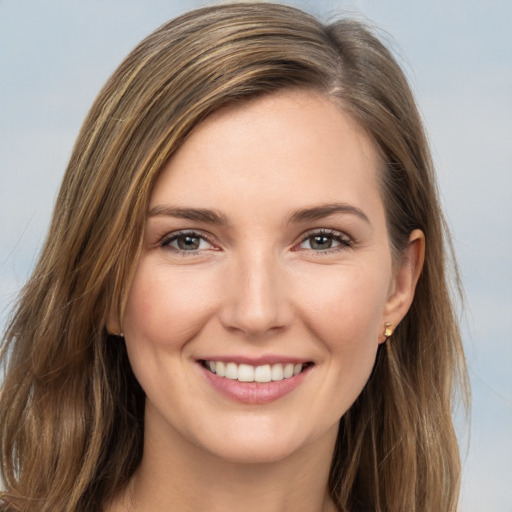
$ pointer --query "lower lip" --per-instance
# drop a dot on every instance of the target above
(254, 392)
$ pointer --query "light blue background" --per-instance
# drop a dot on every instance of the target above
(55, 56)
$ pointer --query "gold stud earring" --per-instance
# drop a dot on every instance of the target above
(388, 330)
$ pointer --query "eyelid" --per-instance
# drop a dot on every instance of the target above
(344, 240)
(165, 241)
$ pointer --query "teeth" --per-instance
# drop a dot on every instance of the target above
(249, 373)
(245, 373)
(220, 369)
(263, 373)
(277, 372)
(231, 371)
(288, 371)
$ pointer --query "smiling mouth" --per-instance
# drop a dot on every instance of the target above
(248, 373)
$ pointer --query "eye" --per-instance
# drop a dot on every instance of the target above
(325, 240)
(187, 241)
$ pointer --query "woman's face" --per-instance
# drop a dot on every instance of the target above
(266, 254)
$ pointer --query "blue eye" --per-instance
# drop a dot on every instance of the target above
(187, 241)
(325, 240)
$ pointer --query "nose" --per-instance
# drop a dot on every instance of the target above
(256, 297)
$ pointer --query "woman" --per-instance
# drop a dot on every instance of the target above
(242, 300)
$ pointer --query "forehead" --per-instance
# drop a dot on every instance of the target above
(289, 148)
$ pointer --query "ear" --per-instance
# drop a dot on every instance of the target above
(113, 322)
(403, 284)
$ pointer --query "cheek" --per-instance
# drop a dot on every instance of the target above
(166, 308)
(344, 307)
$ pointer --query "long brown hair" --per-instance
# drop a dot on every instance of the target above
(71, 425)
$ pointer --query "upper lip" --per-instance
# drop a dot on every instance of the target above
(256, 361)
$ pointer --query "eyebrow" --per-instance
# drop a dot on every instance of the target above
(195, 214)
(218, 218)
(324, 210)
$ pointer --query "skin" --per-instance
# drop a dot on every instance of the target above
(257, 285)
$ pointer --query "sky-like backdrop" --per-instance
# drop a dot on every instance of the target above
(55, 56)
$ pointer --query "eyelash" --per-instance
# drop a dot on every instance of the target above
(344, 241)
(168, 239)
(336, 236)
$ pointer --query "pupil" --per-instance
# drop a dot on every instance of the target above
(321, 242)
(188, 243)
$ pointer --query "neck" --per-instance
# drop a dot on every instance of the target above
(176, 475)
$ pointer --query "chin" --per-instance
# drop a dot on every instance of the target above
(265, 444)
(259, 453)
